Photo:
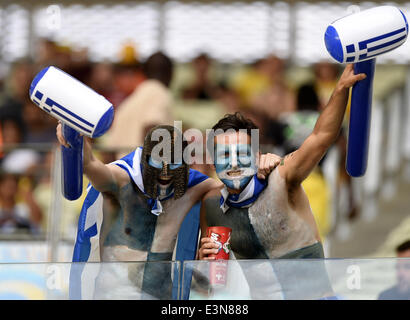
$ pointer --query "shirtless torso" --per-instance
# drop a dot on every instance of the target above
(271, 227)
(132, 233)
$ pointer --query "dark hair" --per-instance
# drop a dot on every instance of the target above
(403, 247)
(158, 66)
(307, 98)
(235, 121)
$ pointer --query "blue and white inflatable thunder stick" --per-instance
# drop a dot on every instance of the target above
(358, 38)
(81, 110)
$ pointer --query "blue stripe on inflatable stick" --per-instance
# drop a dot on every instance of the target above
(376, 54)
(363, 44)
(71, 121)
(50, 102)
(387, 44)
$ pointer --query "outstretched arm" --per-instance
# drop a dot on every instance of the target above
(104, 178)
(297, 166)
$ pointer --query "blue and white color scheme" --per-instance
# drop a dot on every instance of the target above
(235, 164)
(82, 276)
(72, 102)
(364, 35)
(359, 38)
(91, 213)
(245, 198)
(81, 110)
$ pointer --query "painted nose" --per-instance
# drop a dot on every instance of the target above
(164, 171)
(234, 157)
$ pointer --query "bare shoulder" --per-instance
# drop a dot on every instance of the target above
(120, 175)
(215, 192)
(286, 165)
(282, 167)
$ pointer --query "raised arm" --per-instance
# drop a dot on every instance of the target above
(103, 177)
(296, 166)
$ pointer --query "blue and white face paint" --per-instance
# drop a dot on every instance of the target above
(165, 178)
(235, 164)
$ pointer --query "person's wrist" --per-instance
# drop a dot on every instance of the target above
(341, 87)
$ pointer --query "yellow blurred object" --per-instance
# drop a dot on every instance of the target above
(128, 54)
(248, 84)
(317, 192)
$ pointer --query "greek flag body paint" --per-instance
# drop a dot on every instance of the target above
(235, 157)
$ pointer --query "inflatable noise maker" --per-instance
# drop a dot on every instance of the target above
(81, 111)
(358, 38)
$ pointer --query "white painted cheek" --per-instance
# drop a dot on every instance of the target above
(234, 156)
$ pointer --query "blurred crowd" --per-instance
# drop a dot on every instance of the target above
(144, 93)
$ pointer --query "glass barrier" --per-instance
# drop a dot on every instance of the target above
(330, 279)
(344, 279)
(90, 281)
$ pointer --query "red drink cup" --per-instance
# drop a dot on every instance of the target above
(218, 268)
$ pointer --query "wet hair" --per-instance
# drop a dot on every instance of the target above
(159, 67)
(235, 121)
(403, 247)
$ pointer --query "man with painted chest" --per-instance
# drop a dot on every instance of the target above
(269, 218)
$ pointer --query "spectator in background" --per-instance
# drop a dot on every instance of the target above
(228, 98)
(16, 89)
(127, 75)
(102, 79)
(401, 291)
(45, 54)
(202, 87)
(250, 82)
(39, 126)
(277, 97)
(17, 215)
(21, 160)
(262, 87)
(127, 78)
(149, 105)
(326, 75)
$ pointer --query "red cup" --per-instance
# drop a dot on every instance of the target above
(218, 268)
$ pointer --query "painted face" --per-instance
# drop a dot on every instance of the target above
(165, 175)
(235, 164)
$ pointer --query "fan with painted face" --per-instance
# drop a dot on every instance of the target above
(235, 159)
(164, 173)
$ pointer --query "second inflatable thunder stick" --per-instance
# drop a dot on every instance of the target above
(81, 110)
(358, 38)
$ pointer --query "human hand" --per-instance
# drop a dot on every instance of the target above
(348, 78)
(207, 247)
(60, 136)
(267, 162)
